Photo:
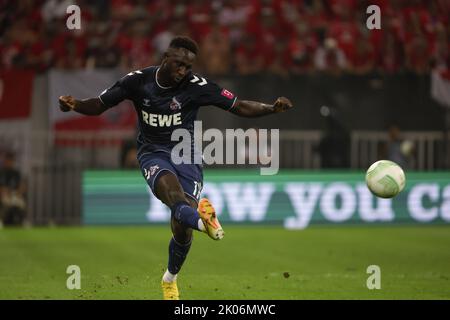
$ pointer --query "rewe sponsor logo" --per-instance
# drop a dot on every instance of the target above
(161, 120)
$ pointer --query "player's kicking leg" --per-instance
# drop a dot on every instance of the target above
(184, 218)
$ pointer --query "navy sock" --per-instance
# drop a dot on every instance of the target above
(177, 255)
(185, 214)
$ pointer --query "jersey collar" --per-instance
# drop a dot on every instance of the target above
(156, 80)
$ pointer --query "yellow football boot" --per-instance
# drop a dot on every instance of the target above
(170, 290)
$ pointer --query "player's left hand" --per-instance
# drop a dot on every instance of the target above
(282, 104)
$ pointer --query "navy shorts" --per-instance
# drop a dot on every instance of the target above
(155, 164)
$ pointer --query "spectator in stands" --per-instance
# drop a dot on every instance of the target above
(12, 193)
(101, 49)
(414, 33)
(136, 46)
(301, 48)
(271, 39)
(315, 14)
(163, 37)
(216, 46)
(399, 150)
(55, 9)
(342, 26)
(418, 55)
(234, 15)
(441, 55)
(363, 58)
(391, 55)
(121, 10)
(334, 145)
(70, 51)
(278, 62)
(165, 13)
(330, 58)
(249, 56)
(199, 18)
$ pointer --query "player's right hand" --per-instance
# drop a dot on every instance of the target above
(282, 104)
(66, 103)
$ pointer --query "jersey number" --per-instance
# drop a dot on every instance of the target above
(197, 189)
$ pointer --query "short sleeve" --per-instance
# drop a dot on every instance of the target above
(214, 95)
(121, 90)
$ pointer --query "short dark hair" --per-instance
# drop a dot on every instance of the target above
(184, 42)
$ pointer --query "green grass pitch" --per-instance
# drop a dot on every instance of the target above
(251, 262)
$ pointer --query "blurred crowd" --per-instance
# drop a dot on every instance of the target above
(280, 37)
(12, 191)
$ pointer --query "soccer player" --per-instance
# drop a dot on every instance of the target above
(168, 97)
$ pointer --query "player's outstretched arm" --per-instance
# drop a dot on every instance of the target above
(89, 107)
(252, 109)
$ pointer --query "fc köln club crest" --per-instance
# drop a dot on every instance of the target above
(175, 105)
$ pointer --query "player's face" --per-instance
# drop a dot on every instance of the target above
(177, 64)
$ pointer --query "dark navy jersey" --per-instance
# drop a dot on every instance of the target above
(161, 110)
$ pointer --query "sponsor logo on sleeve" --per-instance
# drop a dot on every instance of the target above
(227, 94)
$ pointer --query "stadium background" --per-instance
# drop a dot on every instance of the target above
(360, 95)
